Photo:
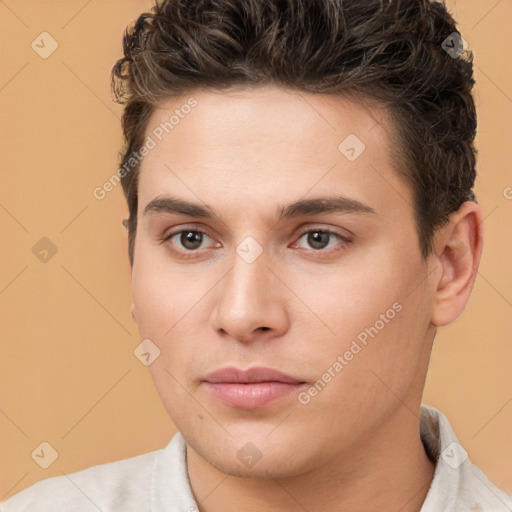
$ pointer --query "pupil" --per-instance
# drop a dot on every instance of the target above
(318, 239)
(191, 239)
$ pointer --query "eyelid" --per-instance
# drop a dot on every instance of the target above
(178, 229)
(327, 229)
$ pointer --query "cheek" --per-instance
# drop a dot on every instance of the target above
(373, 314)
(151, 298)
(350, 298)
(172, 311)
(161, 297)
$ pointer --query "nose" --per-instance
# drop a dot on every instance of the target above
(251, 301)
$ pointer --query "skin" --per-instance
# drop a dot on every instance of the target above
(246, 153)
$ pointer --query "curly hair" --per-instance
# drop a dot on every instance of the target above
(392, 51)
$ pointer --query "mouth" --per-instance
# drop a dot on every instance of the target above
(252, 388)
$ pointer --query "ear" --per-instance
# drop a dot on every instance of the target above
(132, 311)
(457, 248)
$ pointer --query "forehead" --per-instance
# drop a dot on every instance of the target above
(265, 117)
(260, 144)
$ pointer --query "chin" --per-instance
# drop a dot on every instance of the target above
(259, 459)
(276, 467)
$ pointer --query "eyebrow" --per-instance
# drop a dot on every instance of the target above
(314, 206)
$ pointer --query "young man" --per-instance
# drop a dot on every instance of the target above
(299, 179)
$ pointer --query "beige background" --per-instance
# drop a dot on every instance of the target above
(68, 374)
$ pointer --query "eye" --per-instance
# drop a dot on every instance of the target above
(190, 239)
(321, 239)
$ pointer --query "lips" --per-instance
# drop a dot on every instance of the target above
(252, 388)
(249, 376)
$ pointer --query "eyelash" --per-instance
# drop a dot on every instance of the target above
(192, 253)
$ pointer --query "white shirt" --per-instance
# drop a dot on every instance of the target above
(158, 481)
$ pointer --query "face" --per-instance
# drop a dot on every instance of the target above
(277, 269)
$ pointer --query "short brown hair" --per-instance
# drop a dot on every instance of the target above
(392, 51)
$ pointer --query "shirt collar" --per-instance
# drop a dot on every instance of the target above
(457, 485)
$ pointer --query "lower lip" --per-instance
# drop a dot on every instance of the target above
(253, 395)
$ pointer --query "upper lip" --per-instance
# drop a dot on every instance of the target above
(250, 375)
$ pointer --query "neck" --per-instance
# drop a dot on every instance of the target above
(389, 466)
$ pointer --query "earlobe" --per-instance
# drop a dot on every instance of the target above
(458, 248)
